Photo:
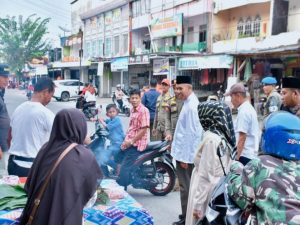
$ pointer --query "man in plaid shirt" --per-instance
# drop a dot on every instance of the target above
(136, 137)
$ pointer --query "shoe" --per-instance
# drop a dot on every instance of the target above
(180, 222)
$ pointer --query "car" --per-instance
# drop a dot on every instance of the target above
(67, 89)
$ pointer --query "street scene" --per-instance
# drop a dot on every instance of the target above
(141, 112)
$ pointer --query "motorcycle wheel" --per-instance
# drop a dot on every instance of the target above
(166, 176)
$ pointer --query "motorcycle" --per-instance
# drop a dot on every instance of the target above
(153, 169)
(125, 109)
(88, 108)
(29, 94)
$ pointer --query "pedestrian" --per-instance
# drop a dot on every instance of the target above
(246, 124)
(136, 137)
(216, 121)
(73, 182)
(149, 101)
(31, 125)
(4, 120)
(159, 124)
(290, 93)
(273, 102)
(268, 186)
(186, 141)
(116, 137)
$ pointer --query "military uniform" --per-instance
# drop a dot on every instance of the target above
(272, 104)
(175, 106)
(160, 123)
(267, 187)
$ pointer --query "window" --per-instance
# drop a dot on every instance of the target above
(136, 8)
(94, 48)
(190, 35)
(125, 43)
(100, 48)
(240, 27)
(107, 50)
(248, 27)
(202, 33)
(88, 49)
(116, 45)
(256, 26)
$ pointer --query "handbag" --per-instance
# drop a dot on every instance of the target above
(37, 200)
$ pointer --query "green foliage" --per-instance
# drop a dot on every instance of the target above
(20, 41)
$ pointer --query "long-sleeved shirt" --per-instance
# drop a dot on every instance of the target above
(188, 132)
(115, 128)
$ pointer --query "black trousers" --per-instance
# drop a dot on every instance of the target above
(184, 178)
(244, 160)
(15, 169)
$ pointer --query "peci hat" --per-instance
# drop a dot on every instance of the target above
(183, 80)
(236, 88)
(290, 82)
(166, 81)
(269, 81)
(4, 70)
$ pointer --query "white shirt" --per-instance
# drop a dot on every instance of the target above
(89, 97)
(188, 132)
(31, 124)
(247, 123)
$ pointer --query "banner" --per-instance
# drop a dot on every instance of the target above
(139, 59)
(167, 27)
(161, 67)
(118, 64)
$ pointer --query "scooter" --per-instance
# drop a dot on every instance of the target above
(126, 105)
(88, 108)
(153, 170)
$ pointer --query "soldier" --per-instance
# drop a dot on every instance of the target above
(159, 123)
(290, 93)
(268, 186)
(273, 102)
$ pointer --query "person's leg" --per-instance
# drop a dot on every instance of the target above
(184, 178)
(14, 169)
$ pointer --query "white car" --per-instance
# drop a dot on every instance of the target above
(66, 89)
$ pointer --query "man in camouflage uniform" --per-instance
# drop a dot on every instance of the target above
(273, 102)
(290, 93)
(160, 124)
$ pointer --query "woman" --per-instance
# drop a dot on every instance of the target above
(216, 121)
(73, 182)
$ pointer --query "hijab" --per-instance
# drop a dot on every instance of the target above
(216, 117)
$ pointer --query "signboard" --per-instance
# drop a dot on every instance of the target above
(188, 63)
(205, 62)
(118, 64)
(167, 27)
(161, 67)
(139, 59)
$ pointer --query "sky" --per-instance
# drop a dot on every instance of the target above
(58, 10)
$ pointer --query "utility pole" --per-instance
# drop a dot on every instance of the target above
(80, 57)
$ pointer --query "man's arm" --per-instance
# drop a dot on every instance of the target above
(240, 144)
(139, 135)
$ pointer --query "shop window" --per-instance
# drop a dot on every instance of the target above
(256, 26)
(190, 34)
(117, 45)
(202, 33)
(240, 27)
(248, 27)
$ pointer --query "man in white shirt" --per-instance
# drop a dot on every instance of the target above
(187, 138)
(246, 125)
(31, 124)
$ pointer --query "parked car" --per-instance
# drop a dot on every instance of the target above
(67, 89)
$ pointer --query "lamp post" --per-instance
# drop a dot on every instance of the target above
(80, 57)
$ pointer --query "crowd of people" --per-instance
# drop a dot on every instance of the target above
(206, 144)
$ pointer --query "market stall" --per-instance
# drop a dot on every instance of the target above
(119, 208)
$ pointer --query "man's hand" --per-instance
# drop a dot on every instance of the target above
(1, 154)
(197, 214)
(87, 140)
(154, 132)
(168, 137)
(184, 165)
(126, 144)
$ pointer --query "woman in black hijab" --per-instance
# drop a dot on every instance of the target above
(73, 182)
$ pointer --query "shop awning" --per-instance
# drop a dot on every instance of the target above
(205, 62)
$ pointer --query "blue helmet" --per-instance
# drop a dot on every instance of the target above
(281, 136)
(269, 81)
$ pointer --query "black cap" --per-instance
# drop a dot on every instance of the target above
(4, 70)
(183, 80)
(291, 82)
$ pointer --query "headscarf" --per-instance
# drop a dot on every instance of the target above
(216, 117)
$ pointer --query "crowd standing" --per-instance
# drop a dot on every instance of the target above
(206, 144)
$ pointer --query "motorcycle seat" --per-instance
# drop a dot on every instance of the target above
(154, 145)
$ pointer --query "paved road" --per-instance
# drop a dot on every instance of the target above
(165, 210)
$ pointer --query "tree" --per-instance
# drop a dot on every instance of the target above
(20, 41)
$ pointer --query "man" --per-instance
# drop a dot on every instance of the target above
(136, 137)
(159, 124)
(186, 141)
(31, 124)
(119, 95)
(246, 124)
(273, 102)
(149, 101)
(4, 119)
(290, 93)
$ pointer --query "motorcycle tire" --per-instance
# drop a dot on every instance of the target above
(164, 169)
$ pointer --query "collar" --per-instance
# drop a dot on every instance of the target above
(137, 108)
(242, 105)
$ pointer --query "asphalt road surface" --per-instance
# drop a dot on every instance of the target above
(165, 210)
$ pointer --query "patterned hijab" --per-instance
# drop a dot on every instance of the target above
(216, 117)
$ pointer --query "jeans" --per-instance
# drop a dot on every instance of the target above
(15, 169)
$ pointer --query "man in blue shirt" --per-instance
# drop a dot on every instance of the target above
(149, 101)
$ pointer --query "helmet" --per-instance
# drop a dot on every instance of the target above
(281, 136)
(118, 85)
(269, 81)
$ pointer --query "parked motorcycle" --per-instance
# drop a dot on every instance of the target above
(152, 171)
(125, 109)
